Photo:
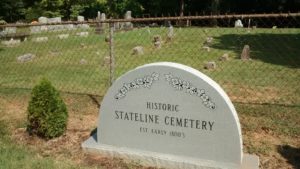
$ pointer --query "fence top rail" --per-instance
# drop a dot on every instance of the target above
(231, 16)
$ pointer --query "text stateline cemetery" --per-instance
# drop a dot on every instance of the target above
(170, 115)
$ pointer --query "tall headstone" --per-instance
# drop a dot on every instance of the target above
(103, 18)
(98, 15)
(157, 41)
(245, 55)
(170, 34)
(128, 25)
(98, 29)
(172, 116)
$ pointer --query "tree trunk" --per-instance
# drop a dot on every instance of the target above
(215, 10)
(181, 13)
(181, 7)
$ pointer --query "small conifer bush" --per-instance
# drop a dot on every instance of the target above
(47, 113)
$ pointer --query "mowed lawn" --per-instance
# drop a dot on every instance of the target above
(81, 64)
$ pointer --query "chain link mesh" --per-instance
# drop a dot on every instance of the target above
(83, 57)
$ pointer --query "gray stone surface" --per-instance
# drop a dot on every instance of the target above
(224, 57)
(106, 61)
(138, 50)
(82, 34)
(43, 20)
(83, 61)
(207, 48)
(210, 65)
(128, 25)
(169, 115)
(35, 29)
(83, 26)
(245, 55)
(54, 20)
(44, 28)
(209, 40)
(11, 42)
(40, 39)
(69, 27)
(9, 30)
(238, 24)
(56, 27)
(157, 41)
(26, 57)
(63, 36)
(161, 160)
(80, 18)
(170, 34)
(98, 15)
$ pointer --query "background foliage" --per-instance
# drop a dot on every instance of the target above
(29, 10)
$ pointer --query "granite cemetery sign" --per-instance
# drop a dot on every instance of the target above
(170, 115)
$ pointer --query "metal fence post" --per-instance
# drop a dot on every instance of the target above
(111, 53)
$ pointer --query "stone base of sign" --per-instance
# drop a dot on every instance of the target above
(164, 160)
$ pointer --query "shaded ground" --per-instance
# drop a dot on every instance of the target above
(273, 48)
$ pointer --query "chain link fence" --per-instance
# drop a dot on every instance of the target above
(255, 58)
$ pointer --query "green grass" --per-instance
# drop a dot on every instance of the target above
(16, 156)
(272, 76)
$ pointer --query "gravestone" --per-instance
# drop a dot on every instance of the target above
(9, 30)
(35, 29)
(83, 61)
(210, 65)
(138, 50)
(245, 55)
(207, 48)
(209, 40)
(63, 36)
(40, 39)
(54, 20)
(98, 15)
(83, 26)
(157, 41)
(224, 57)
(43, 20)
(101, 25)
(11, 42)
(103, 18)
(128, 25)
(44, 28)
(170, 34)
(170, 115)
(82, 34)
(25, 58)
(238, 24)
(80, 18)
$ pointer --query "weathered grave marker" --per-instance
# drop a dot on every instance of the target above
(245, 55)
(128, 25)
(170, 115)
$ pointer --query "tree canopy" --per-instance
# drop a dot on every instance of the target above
(28, 10)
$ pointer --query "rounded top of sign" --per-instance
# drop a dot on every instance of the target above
(173, 109)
